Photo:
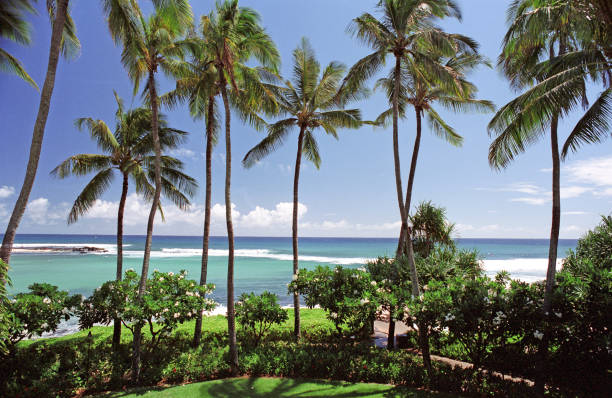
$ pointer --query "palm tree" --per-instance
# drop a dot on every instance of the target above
(406, 30)
(197, 86)
(421, 89)
(233, 35)
(539, 33)
(129, 150)
(311, 102)
(149, 44)
(429, 227)
(14, 27)
(64, 40)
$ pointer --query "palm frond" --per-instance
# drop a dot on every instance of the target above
(311, 149)
(11, 65)
(277, 133)
(92, 192)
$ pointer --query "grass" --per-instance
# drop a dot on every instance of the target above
(212, 324)
(276, 387)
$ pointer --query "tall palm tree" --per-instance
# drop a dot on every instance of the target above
(13, 26)
(312, 100)
(233, 35)
(149, 44)
(129, 151)
(64, 40)
(406, 30)
(539, 32)
(197, 85)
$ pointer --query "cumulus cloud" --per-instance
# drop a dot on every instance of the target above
(595, 171)
(281, 214)
(6, 191)
(182, 153)
(40, 211)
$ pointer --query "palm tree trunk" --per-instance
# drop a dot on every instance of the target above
(408, 240)
(155, 203)
(124, 191)
(398, 176)
(231, 316)
(38, 133)
(294, 230)
(197, 336)
(552, 252)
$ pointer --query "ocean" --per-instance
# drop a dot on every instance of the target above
(261, 263)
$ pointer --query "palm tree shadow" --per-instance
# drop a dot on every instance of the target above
(290, 388)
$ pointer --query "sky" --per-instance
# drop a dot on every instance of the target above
(351, 195)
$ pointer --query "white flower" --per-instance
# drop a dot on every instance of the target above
(188, 294)
(189, 313)
(170, 273)
(176, 314)
(161, 278)
(558, 314)
(333, 315)
(449, 317)
(191, 284)
(197, 294)
(337, 270)
(295, 277)
(181, 276)
(47, 300)
(364, 301)
(362, 269)
(44, 325)
(176, 303)
(373, 283)
(538, 335)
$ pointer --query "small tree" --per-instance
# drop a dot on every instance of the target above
(169, 300)
(39, 311)
(257, 313)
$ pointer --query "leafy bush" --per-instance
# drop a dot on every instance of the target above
(39, 311)
(169, 300)
(258, 313)
(348, 295)
(593, 249)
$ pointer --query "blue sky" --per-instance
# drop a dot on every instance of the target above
(353, 194)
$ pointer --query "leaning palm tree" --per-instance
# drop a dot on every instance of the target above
(13, 26)
(149, 44)
(406, 30)
(312, 100)
(64, 40)
(129, 151)
(539, 32)
(197, 85)
(233, 35)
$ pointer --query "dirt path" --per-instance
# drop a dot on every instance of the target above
(381, 329)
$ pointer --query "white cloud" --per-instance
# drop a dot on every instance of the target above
(595, 171)
(182, 153)
(6, 191)
(532, 201)
(39, 211)
(281, 215)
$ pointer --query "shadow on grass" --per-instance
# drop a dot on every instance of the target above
(257, 387)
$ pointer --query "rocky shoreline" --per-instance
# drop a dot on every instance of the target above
(60, 249)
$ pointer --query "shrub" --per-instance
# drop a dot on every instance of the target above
(257, 314)
(169, 300)
(348, 295)
(39, 311)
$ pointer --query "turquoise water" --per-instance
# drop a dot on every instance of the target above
(261, 263)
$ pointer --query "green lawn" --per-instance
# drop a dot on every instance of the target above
(272, 387)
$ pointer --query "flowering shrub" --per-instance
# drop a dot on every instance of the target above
(169, 300)
(348, 295)
(258, 313)
(37, 312)
(479, 313)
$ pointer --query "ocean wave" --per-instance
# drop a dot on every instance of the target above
(525, 269)
(107, 246)
(252, 253)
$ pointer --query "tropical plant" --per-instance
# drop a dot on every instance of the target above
(130, 152)
(233, 35)
(257, 313)
(197, 86)
(312, 101)
(64, 40)
(422, 55)
(540, 31)
(14, 27)
(149, 44)
(430, 227)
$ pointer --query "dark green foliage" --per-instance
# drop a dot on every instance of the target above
(38, 311)
(348, 295)
(257, 313)
(594, 249)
